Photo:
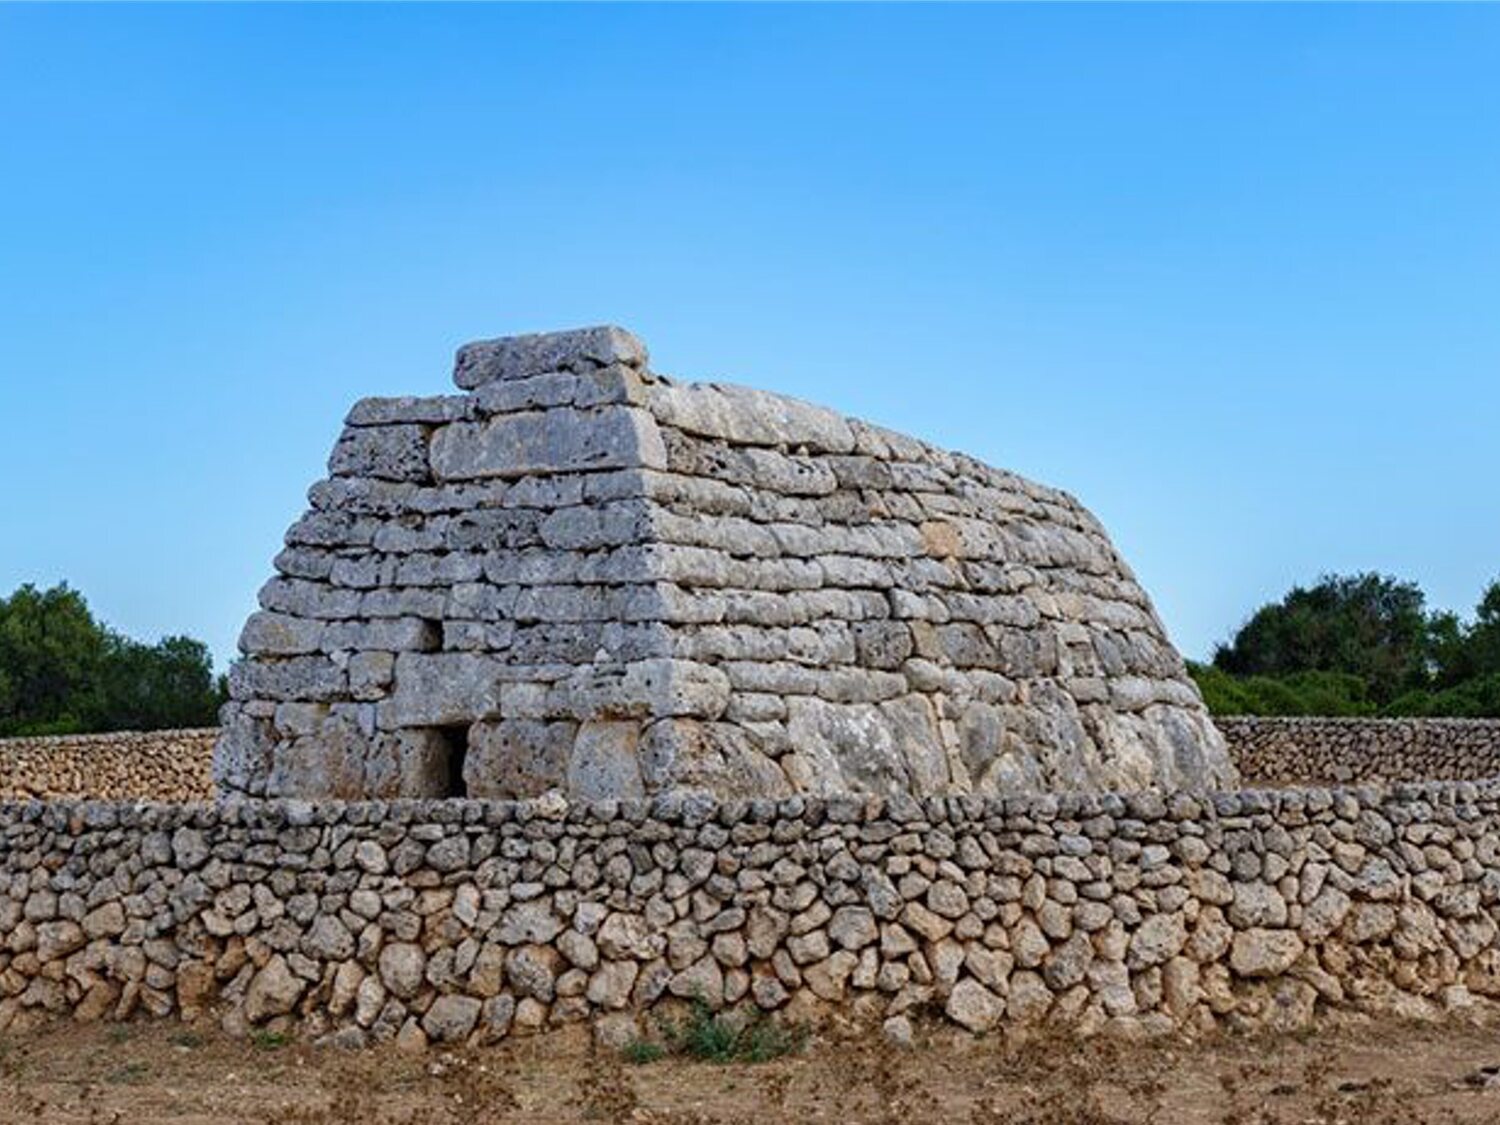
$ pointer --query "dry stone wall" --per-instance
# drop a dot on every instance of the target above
(456, 921)
(1294, 751)
(583, 576)
(161, 765)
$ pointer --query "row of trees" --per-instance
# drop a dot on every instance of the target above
(1361, 644)
(63, 672)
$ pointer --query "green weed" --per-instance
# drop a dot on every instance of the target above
(638, 1052)
(709, 1037)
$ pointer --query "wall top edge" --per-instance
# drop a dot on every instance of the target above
(693, 810)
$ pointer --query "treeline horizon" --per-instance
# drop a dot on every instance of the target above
(1358, 645)
(62, 671)
(1348, 645)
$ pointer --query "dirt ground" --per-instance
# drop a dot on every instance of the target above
(148, 1073)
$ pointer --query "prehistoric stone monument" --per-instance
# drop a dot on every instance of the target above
(580, 575)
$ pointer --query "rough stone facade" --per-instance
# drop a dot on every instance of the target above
(583, 576)
(161, 765)
(174, 765)
(1296, 751)
(459, 921)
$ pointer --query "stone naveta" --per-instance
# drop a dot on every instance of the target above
(583, 576)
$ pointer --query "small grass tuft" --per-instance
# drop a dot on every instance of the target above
(639, 1052)
(763, 1041)
(705, 1036)
(269, 1040)
(709, 1037)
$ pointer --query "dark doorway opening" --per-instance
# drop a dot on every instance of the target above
(456, 752)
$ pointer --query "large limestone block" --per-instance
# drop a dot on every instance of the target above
(519, 357)
(743, 415)
(548, 441)
(396, 453)
(518, 758)
(442, 689)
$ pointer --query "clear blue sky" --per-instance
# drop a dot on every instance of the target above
(1230, 274)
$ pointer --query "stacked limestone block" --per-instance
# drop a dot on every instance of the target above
(580, 575)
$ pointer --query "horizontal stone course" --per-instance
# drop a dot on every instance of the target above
(454, 921)
(544, 546)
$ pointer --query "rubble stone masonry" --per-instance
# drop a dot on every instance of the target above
(162, 765)
(470, 921)
(1289, 751)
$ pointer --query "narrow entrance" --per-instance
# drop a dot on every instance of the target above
(456, 752)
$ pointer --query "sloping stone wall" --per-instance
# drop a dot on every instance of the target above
(161, 765)
(1298, 751)
(581, 575)
(468, 920)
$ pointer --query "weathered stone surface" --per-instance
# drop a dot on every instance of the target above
(280, 634)
(1159, 938)
(1264, 953)
(189, 849)
(581, 577)
(451, 1018)
(549, 441)
(610, 986)
(273, 991)
(853, 927)
(605, 761)
(368, 922)
(433, 410)
(329, 939)
(703, 981)
(973, 1006)
(628, 936)
(394, 452)
(532, 970)
(518, 757)
(107, 920)
(527, 923)
(521, 357)
(1256, 904)
(167, 765)
(1342, 751)
(402, 965)
(55, 940)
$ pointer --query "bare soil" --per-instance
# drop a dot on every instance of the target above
(141, 1074)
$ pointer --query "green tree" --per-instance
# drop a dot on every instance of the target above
(153, 687)
(50, 647)
(1369, 626)
(61, 671)
(1483, 639)
(1359, 645)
